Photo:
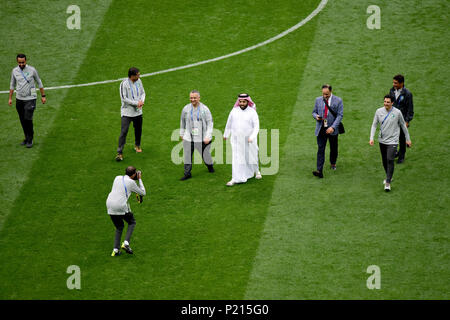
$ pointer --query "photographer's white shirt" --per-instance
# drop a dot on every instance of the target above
(123, 186)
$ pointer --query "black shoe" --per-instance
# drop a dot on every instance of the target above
(29, 144)
(333, 167)
(318, 174)
(211, 169)
(401, 160)
(185, 177)
(127, 248)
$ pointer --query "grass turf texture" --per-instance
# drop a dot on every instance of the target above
(275, 238)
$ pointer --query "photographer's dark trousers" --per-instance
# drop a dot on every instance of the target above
(125, 124)
(388, 156)
(402, 143)
(118, 223)
(25, 109)
(202, 148)
(321, 145)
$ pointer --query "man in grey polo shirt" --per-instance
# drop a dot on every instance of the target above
(390, 120)
(23, 78)
(196, 126)
(132, 95)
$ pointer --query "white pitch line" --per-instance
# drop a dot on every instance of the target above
(319, 8)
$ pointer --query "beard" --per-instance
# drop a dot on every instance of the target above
(243, 107)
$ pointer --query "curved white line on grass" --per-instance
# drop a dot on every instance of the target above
(319, 8)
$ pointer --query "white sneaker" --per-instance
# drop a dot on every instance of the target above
(387, 187)
(230, 183)
(258, 175)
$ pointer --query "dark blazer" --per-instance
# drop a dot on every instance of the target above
(404, 103)
(319, 110)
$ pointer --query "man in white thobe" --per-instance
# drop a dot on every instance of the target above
(243, 127)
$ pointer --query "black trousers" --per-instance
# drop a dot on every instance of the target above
(402, 143)
(25, 110)
(118, 223)
(202, 148)
(388, 156)
(321, 145)
(125, 124)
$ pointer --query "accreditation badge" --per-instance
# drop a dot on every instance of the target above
(195, 131)
(325, 123)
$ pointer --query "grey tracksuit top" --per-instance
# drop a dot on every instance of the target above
(389, 126)
(25, 82)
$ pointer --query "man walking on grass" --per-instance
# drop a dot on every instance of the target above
(242, 128)
(23, 78)
(390, 120)
(404, 102)
(328, 113)
(132, 95)
(196, 127)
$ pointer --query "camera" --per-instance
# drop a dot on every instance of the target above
(138, 173)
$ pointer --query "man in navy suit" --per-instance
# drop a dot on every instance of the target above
(404, 102)
(327, 124)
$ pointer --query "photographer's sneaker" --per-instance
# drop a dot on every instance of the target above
(258, 175)
(387, 187)
(138, 149)
(115, 253)
(119, 157)
(127, 248)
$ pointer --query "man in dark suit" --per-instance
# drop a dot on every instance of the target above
(327, 126)
(404, 102)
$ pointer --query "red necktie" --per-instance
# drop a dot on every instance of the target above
(326, 109)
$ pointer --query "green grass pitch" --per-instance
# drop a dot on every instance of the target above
(287, 236)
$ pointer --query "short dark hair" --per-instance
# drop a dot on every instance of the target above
(389, 96)
(129, 171)
(327, 86)
(196, 91)
(399, 78)
(21, 55)
(132, 71)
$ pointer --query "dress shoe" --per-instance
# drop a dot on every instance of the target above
(318, 174)
(186, 176)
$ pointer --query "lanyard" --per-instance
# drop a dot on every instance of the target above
(131, 87)
(126, 191)
(386, 116)
(381, 127)
(23, 75)
(198, 114)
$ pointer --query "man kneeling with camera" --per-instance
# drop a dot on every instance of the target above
(119, 208)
